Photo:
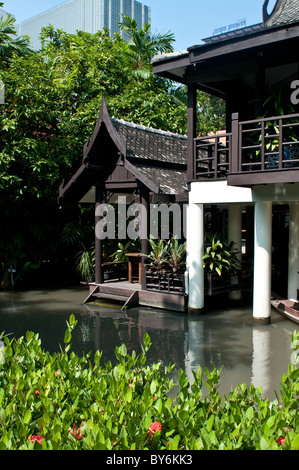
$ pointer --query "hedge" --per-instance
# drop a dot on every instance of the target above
(64, 402)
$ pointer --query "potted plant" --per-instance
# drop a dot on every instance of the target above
(166, 266)
(85, 263)
(158, 255)
(176, 259)
(221, 264)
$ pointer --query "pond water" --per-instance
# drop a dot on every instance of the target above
(228, 339)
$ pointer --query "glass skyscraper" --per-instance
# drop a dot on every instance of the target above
(3, 13)
(84, 15)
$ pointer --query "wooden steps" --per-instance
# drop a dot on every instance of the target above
(122, 295)
(123, 299)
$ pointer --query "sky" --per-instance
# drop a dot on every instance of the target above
(189, 20)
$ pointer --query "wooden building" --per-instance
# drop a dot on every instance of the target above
(254, 166)
(137, 165)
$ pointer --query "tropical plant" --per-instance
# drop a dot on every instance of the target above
(167, 256)
(176, 259)
(8, 43)
(158, 256)
(220, 257)
(85, 262)
(143, 45)
(120, 253)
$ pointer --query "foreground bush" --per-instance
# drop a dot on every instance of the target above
(62, 401)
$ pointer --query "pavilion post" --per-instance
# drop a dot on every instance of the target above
(99, 275)
(144, 200)
(191, 132)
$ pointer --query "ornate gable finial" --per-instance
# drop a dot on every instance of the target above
(265, 11)
(104, 119)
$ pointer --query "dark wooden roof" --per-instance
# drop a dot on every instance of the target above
(122, 155)
(211, 65)
(152, 144)
(284, 12)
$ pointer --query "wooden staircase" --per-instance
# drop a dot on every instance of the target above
(122, 299)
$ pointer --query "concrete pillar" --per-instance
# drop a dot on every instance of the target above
(235, 235)
(293, 266)
(262, 262)
(195, 251)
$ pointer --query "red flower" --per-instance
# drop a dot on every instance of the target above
(280, 441)
(36, 438)
(154, 427)
(36, 392)
(76, 432)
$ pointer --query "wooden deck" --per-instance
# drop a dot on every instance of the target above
(123, 294)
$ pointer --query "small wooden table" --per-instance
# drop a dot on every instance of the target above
(133, 257)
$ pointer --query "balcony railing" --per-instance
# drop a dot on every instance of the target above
(270, 144)
(212, 156)
(261, 146)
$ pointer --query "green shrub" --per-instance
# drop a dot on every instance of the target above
(62, 401)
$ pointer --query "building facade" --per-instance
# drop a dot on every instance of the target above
(84, 15)
(3, 13)
(253, 169)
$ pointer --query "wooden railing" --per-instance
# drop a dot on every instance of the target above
(269, 143)
(212, 156)
(259, 145)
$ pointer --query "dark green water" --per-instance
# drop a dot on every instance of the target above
(257, 355)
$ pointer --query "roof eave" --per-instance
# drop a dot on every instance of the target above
(176, 67)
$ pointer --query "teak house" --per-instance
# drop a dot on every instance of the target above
(253, 167)
(135, 165)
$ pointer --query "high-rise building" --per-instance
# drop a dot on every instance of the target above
(4, 13)
(84, 15)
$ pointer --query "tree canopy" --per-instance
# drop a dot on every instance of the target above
(52, 100)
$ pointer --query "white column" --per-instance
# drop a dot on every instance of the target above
(235, 235)
(293, 267)
(195, 250)
(262, 262)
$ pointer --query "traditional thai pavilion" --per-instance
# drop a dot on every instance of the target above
(253, 168)
(129, 164)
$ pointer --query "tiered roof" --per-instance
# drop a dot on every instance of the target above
(119, 149)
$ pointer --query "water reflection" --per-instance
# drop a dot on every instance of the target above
(256, 355)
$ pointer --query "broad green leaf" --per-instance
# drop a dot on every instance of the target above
(27, 417)
(271, 421)
(128, 396)
(174, 444)
(249, 413)
(295, 443)
(264, 444)
(153, 387)
(67, 337)
(210, 422)
(158, 405)
(123, 350)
